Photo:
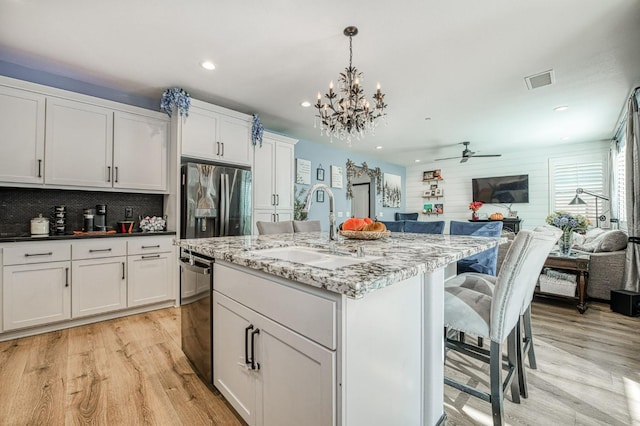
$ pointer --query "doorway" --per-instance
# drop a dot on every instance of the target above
(360, 205)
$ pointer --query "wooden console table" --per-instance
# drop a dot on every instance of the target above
(576, 263)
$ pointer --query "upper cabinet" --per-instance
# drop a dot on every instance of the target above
(86, 143)
(22, 143)
(140, 148)
(79, 148)
(216, 134)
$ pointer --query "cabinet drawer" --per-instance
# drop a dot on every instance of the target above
(101, 247)
(142, 245)
(311, 315)
(36, 253)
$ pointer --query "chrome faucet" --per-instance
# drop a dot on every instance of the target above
(332, 218)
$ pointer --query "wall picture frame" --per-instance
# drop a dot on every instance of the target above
(438, 192)
(428, 175)
(320, 196)
(320, 173)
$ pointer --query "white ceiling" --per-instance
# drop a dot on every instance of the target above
(462, 62)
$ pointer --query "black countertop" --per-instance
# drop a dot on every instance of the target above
(14, 238)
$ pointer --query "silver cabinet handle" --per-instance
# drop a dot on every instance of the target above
(38, 254)
(222, 149)
(66, 277)
(152, 256)
(148, 247)
(108, 173)
(116, 173)
(98, 250)
(277, 199)
(123, 269)
(217, 148)
(39, 168)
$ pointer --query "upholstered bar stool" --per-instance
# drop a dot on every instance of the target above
(496, 316)
(306, 226)
(484, 262)
(397, 226)
(265, 228)
(406, 216)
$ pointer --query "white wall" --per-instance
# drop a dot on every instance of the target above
(457, 177)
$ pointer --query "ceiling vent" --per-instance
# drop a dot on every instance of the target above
(542, 79)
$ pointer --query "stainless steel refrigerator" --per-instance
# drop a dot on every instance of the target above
(216, 201)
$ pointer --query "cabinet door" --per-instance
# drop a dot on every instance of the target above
(296, 378)
(284, 215)
(36, 294)
(263, 175)
(22, 147)
(199, 133)
(231, 376)
(99, 285)
(262, 216)
(149, 279)
(140, 147)
(284, 179)
(234, 135)
(79, 144)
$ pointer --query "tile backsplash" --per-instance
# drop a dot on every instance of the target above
(19, 205)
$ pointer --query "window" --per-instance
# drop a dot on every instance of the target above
(620, 187)
(588, 173)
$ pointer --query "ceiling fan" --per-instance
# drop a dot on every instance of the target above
(467, 153)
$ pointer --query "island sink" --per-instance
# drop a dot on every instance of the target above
(317, 257)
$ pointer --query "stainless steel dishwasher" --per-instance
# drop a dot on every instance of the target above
(196, 286)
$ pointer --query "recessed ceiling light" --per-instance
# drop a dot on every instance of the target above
(565, 138)
(378, 147)
(561, 108)
(208, 65)
(305, 104)
(417, 161)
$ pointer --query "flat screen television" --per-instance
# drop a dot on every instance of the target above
(501, 189)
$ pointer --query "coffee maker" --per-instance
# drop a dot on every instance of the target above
(100, 219)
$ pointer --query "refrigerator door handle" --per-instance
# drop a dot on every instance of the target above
(223, 205)
(228, 197)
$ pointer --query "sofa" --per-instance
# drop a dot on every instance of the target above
(607, 250)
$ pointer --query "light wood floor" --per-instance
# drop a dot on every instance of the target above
(131, 371)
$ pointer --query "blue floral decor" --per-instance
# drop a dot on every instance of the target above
(569, 223)
(176, 98)
(257, 130)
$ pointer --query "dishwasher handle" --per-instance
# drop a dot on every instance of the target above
(197, 268)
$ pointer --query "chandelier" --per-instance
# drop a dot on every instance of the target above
(348, 114)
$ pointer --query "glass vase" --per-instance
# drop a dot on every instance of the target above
(565, 242)
(475, 216)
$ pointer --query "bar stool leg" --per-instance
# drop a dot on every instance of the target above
(528, 338)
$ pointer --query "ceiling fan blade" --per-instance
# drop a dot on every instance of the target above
(489, 155)
(448, 158)
(469, 153)
(464, 159)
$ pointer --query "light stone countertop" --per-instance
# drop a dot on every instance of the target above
(402, 255)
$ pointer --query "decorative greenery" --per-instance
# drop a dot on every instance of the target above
(298, 204)
(257, 130)
(354, 172)
(176, 98)
(567, 221)
(475, 205)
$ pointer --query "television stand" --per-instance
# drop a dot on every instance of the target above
(511, 224)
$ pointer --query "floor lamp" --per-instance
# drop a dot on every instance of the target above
(578, 200)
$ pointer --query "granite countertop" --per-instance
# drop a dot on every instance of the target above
(401, 256)
(14, 238)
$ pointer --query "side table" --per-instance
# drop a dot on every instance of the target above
(577, 263)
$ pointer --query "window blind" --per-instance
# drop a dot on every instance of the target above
(586, 175)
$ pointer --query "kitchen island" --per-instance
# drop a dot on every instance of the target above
(310, 331)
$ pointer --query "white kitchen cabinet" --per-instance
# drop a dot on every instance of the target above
(99, 276)
(215, 134)
(140, 149)
(273, 179)
(36, 285)
(22, 148)
(79, 144)
(149, 266)
(267, 370)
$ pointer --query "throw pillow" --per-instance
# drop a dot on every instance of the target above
(612, 241)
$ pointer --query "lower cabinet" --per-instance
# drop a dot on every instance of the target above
(149, 278)
(269, 373)
(36, 294)
(99, 285)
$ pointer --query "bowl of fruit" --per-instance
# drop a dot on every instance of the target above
(363, 229)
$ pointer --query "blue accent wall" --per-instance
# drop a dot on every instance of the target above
(329, 155)
(19, 72)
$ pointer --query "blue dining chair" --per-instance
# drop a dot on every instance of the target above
(397, 226)
(431, 227)
(486, 261)
(406, 216)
